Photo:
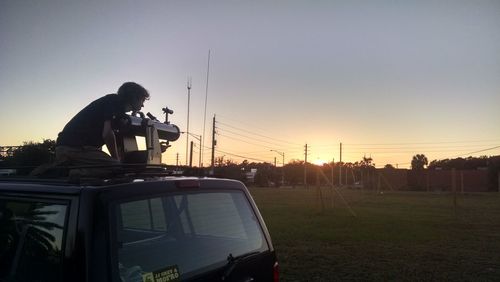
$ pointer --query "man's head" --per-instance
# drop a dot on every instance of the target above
(133, 96)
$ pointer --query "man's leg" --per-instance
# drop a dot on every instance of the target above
(92, 156)
(60, 159)
(87, 156)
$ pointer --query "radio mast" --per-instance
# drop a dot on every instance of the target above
(187, 127)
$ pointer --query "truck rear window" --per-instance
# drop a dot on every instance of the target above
(182, 235)
(31, 235)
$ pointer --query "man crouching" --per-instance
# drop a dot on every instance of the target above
(81, 140)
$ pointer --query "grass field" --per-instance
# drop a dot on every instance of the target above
(395, 236)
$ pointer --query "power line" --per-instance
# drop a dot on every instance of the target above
(422, 143)
(259, 129)
(260, 153)
(402, 152)
(426, 151)
(461, 155)
(435, 144)
(247, 142)
(265, 152)
(480, 151)
(239, 156)
(264, 136)
(421, 147)
(233, 138)
(251, 138)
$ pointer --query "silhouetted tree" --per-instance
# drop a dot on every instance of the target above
(28, 233)
(31, 154)
(418, 162)
(229, 162)
(264, 174)
(472, 163)
(229, 169)
(493, 172)
(244, 164)
(365, 162)
(219, 161)
(294, 172)
(389, 166)
(461, 163)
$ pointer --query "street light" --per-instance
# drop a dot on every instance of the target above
(282, 154)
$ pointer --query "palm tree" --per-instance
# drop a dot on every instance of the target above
(27, 231)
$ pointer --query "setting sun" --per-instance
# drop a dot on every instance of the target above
(319, 162)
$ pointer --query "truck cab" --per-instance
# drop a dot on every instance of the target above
(135, 228)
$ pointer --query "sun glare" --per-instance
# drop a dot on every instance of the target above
(319, 162)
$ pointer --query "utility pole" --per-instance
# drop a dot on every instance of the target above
(283, 170)
(214, 142)
(191, 155)
(177, 160)
(333, 187)
(333, 163)
(282, 154)
(187, 127)
(199, 159)
(200, 139)
(305, 168)
(340, 166)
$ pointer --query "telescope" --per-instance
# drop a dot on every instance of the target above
(157, 136)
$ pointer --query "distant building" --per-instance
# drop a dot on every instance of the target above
(250, 175)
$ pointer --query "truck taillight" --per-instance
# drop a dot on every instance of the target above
(276, 272)
(188, 183)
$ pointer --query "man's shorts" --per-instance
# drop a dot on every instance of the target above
(86, 156)
(83, 155)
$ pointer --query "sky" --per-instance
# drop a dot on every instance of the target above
(387, 79)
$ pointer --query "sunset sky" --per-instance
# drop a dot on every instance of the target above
(388, 79)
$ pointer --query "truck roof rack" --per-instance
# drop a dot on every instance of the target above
(93, 174)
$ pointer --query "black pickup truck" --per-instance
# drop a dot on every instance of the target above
(144, 229)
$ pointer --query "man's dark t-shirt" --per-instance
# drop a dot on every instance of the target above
(85, 129)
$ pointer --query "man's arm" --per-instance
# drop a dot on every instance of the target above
(110, 139)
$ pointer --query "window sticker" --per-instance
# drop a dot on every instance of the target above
(167, 274)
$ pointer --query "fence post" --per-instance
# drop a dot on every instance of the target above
(453, 180)
(454, 188)
(499, 181)
(428, 182)
(346, 174)
(319, 194)
(378, 182)
(462, 181)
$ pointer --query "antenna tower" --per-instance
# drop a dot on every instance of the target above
(188, 85)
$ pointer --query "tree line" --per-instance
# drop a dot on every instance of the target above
(30, 155)
(296, 172)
